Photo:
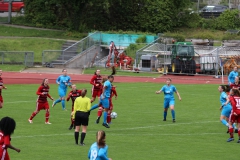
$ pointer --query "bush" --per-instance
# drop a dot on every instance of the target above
(141, 39)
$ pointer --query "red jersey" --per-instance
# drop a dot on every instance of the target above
(96, 79)
(113, 92)
(235, 102)
(42, 93)
(1, 84)
(74, 95)
(4, 142)
(234, 86)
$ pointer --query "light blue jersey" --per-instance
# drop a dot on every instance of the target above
(96, 153)
(231, 76)
(168, 91)
(64, 82)
(226, 110)
(108, 86)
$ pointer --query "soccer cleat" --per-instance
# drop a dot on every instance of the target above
(64, 109)
(106, 125)
(238, 141)
(236, 130)
(164, 119)
(53, 104)
(173, 120)
(230, 139)
(48, 123)
(71, 126)
(98, 119)
(30, 121)
(227, 131)
(82, 144)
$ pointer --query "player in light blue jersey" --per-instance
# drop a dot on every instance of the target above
(99, 149)
(232, 75)
(104, 98)
(169, 100)
(63, 82)
(225, 107)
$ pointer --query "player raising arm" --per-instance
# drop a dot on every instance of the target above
(169, 100)
(42, 103)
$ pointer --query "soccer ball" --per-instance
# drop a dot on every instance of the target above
(113, 115)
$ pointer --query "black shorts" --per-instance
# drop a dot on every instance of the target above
(81, 118)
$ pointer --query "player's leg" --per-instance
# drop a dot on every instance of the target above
(165, 109)
(105, 103)
(224, 114)
(171, 104)
(38, 108)
(94, 95)
(230, 128)
(72, 121)
(1, 102)
(63, 103)
(109, 119)
(47, 114)
(99, 113)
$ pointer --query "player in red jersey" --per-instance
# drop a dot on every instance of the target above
(236, 84)
(7, 127)
(96, 81)
(235, 113)
(73, 94)
(1, 87)
(42, 102)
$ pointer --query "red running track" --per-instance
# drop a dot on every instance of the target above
(36, 78)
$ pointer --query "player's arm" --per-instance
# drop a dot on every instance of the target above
(13, 148)
(158, 92)
(39, 91)
(58, 80)
(229, 77)
(92, 80)
(102, 155)
(74, 109)
(69, 95)
(179, 97)
(114, 93)
(103, 91)
(69, 83)
(50, 96)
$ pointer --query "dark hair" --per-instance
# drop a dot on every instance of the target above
(43, 81)
(83, 92)
(110, 76)
(7, 125)
(225, 88)
(101, 142)
(64, 70)
(236, 92)
(169, 79)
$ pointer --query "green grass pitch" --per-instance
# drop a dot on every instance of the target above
(138, 133)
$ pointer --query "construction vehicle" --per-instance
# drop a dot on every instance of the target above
(182, 58)
(118, 59)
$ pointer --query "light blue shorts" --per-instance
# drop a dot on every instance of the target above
(226, 110)
(61, 93)
(168, 103)
(104, 102)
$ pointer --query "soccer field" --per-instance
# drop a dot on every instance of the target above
(138, 133)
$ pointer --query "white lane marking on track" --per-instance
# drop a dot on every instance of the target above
(134, 128)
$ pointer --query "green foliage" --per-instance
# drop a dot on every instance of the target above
(177, 36)
(204, 35)
(141, 39)
(229, 19)
(228, 36)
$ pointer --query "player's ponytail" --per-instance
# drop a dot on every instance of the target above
(101, 139)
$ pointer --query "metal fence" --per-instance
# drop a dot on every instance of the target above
(64, 57)
(205, 60)
(17, 57)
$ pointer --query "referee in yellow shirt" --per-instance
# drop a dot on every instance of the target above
(80, 115)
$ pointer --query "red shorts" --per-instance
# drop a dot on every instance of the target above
(96, 93)
(1, 98)
(41, 106)
(234, 118)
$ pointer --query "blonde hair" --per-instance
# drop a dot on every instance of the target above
(101, 142)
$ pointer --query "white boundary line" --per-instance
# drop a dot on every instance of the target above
(134, 128)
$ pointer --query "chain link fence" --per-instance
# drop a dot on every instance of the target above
(17, 57)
